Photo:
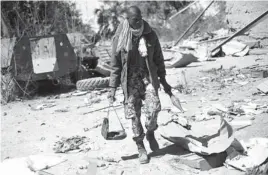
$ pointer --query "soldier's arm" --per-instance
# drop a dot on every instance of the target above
(161, 71)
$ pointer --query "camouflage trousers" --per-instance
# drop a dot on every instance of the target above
(140, 90)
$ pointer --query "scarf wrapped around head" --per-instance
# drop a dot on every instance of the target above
(125, 37)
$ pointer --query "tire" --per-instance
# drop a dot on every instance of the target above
(92, 83)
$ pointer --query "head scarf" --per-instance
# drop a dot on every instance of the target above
(125, 37)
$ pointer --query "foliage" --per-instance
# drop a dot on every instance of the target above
(205, 24)
(157, 12)
(35, 18)
(160, 10)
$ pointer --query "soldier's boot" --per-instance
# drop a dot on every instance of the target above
(143, 157)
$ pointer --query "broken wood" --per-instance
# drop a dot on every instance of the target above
(240, 31)
(215, 39)
(193, 23)
(44, 173)
(101, 109)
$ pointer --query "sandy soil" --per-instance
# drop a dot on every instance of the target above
(26, 132)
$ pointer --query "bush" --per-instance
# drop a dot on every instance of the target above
(9, 89)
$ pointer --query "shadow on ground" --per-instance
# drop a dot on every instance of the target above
(170, 150)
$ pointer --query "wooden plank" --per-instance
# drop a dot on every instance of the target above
(193, 23)
(44, 173)
(215, 39)
(240, 31)
(101, 109)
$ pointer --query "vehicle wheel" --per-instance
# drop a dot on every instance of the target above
(92, 83)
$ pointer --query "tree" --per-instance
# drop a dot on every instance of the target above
(156, 12)
(34, 18)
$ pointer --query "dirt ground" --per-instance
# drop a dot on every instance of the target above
(26, 132)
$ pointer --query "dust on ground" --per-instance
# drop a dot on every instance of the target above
(26, 131)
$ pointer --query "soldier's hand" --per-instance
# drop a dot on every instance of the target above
(167, 87)
(111, 95)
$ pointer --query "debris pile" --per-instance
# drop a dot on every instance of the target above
(70, 144)
(176, 59)
(203, 47)
(247, 108)
(219, 78)
(200, 139)
(256, 71)
(214, 146)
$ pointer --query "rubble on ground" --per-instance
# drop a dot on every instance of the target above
(30, 165)
(255, 152)
(211, 140)
(69, 144)
(263, 87)
(45, 104)
(66, 109)
(207, 133)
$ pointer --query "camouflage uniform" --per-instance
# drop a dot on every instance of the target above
(139, 89)
(129, 70)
